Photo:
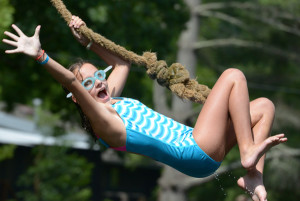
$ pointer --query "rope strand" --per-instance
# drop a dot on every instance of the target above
(176, 77)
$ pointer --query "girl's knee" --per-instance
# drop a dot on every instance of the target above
(265, 105)
(234, 74)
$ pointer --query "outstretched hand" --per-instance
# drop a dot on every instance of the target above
(24, 44)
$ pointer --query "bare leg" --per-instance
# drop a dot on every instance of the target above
(227, 103)
(262, 113)
(229, 100)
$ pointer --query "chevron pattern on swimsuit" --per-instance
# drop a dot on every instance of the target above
(138, 117)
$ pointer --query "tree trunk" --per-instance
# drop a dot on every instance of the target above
(171, 182)
(187, 57)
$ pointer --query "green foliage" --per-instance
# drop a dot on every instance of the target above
(206, 76)
(133, 161)
(7, 152)
(6, 15)
(56, 175)
(281, 3)
(48, 123)
(141, 25)
(272, 23)
(287, 166)
(269, 75)
(137, 25)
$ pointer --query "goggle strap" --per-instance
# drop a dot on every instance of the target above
(107, 69)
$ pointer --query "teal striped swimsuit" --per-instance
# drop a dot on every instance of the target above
(163, 139)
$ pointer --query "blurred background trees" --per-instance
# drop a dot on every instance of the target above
(56, 175)
(260, 37)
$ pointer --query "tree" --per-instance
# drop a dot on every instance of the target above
(174, 185)
(137, 29)
(56, 175)
(170, 187)
(258, 37)
(7, 152)
(6, 14)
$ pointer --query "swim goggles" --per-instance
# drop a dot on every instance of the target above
(88, 83)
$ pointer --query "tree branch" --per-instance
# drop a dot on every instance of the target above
(247, 6)
(249, 44)
(268, 15)
(224, 17)
(219, 5)
(273, 22)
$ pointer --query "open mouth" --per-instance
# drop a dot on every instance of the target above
(102, 94)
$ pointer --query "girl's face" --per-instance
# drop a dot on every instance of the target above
(99, 91)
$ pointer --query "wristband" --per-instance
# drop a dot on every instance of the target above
(45, 61)
(89, 45)
(43, 51)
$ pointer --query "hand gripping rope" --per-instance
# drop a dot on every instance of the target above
(176, 77)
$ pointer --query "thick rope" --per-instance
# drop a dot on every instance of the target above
(176, 77)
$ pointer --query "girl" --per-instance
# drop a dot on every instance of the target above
(227, 118)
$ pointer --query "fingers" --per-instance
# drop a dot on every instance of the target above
(17, 30)
(11, 35)
(75, 33)
(76, 22)
(37, 31)
(12, 43)
(12, 51)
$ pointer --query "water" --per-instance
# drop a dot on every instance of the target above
(220, 185)
(230, 175)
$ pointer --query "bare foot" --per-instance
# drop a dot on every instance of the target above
(252, 183)
(252, 155)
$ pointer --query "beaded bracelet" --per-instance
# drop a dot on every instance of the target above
(43, 51)
(45, 61)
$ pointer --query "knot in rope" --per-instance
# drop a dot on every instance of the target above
(176, 77)
(165, 76)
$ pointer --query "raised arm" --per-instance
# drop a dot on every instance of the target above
(118, 77)
(121, 68)
(31, 46)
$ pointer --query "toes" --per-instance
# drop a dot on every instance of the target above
(277, 138)
(262, 198)
(279, 135)
(283, 139)
(261, 194)
(241, 182)
(255, 198)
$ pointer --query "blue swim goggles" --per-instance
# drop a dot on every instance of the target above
(88, 83)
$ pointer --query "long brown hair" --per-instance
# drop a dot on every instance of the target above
(85, 123)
